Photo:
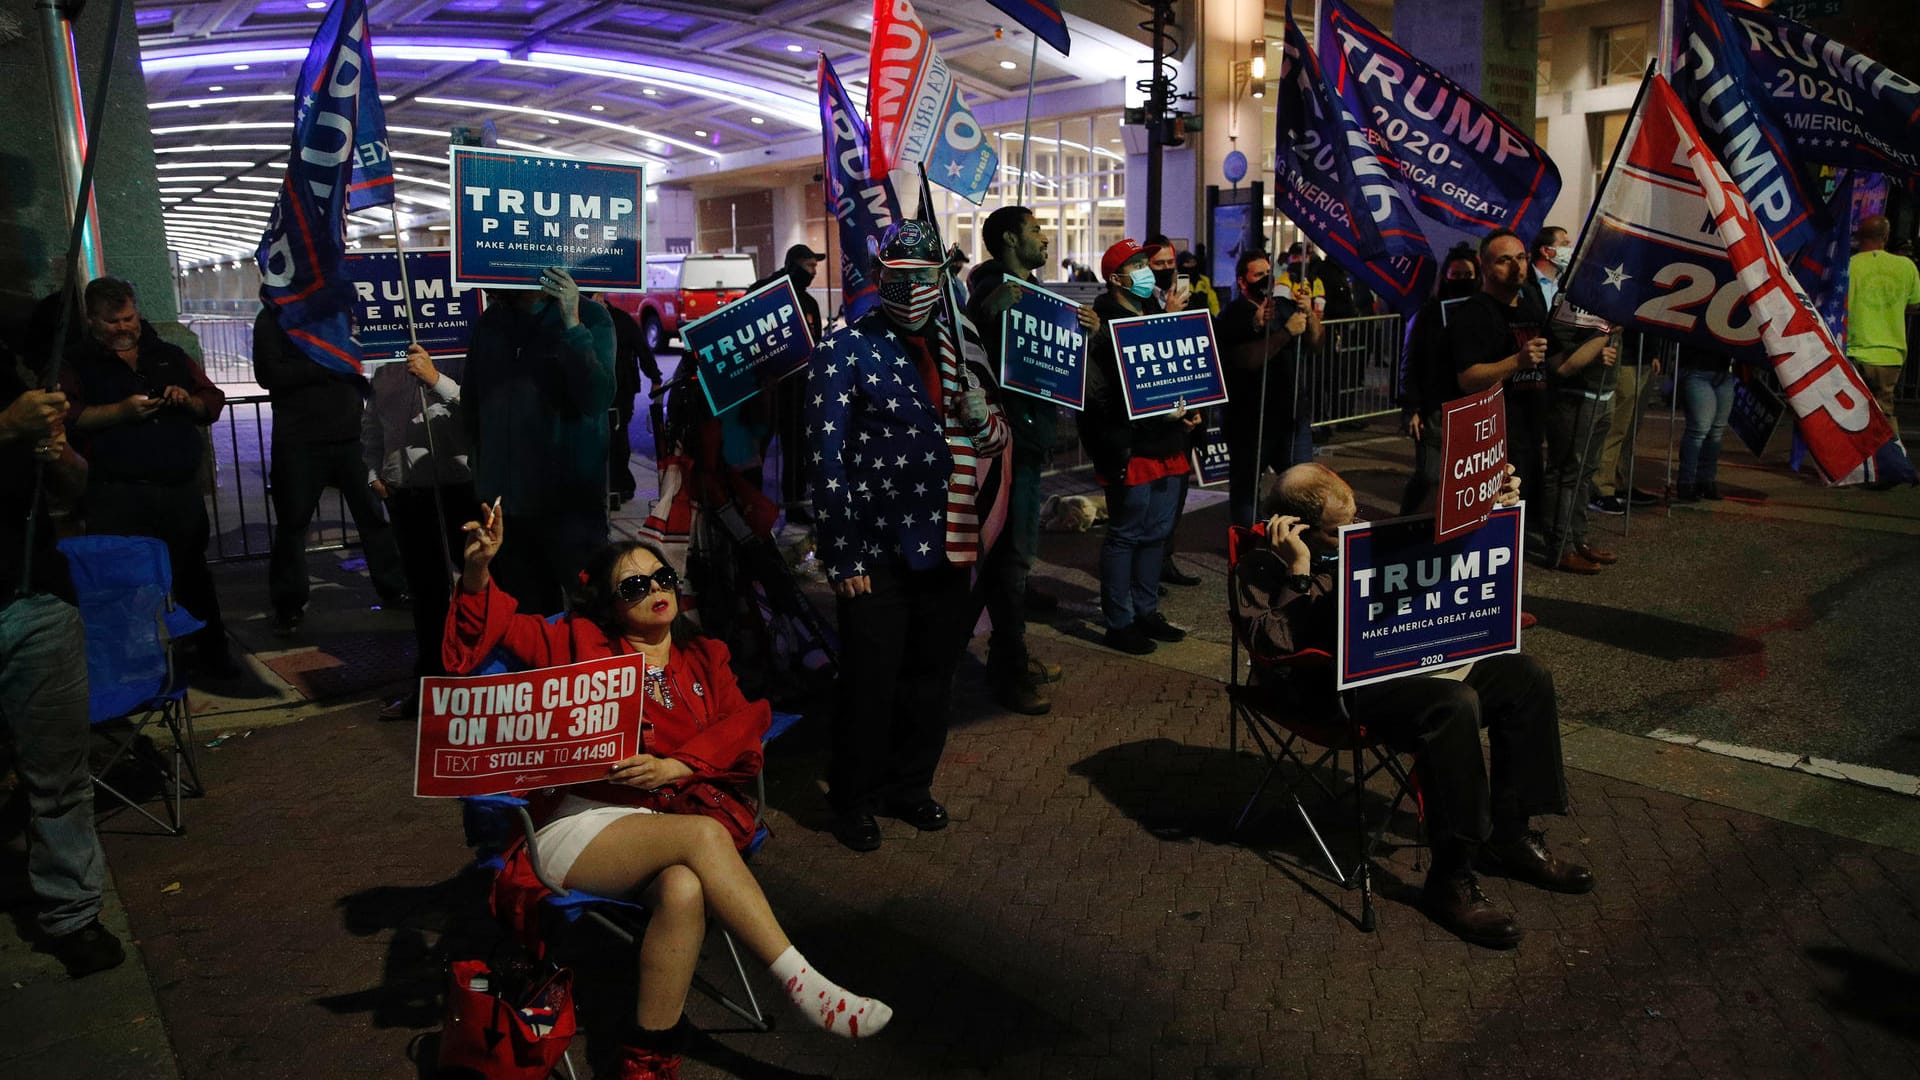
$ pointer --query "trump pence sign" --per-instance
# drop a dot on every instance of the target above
(441, 315)
(515, 214)
(757, 340)
(1168, 360)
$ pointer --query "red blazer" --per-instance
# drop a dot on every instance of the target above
(712, 728)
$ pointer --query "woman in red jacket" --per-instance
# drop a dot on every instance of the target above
(610, 837)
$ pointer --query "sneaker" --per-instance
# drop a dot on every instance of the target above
(1128, 639)
(1608, 504)
(404, 707)
(87, 950)
(286, 623)
(1158, 628)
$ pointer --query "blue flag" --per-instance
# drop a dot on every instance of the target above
(338, 164)
(1465, 164)
(1325, 171)
(863, 204)
(1042, 17)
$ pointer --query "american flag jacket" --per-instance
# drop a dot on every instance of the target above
(895, 480)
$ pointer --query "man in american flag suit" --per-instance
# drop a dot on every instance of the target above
(903, 441)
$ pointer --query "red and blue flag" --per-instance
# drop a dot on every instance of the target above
(1042, 17)
(861, 201)
(338, 163)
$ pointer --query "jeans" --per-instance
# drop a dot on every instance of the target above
(1007, 568)
(299, 473)
(1707, 397)
(1139, 518)
(899, 646)
(416, 524)
(43, 697)
(176, 515)
(1577, 424)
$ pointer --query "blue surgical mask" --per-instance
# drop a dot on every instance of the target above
(1140, 282)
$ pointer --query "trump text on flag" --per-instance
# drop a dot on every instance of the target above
(516, 214)
(540, 728)
(1043, 348)
(1473, 461)
(1167, 361)
(1410, 604)
(442, 312)
(756, 340)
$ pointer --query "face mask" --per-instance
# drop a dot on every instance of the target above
(1455, 288)
(1559, 257)
(1140, 282)
(1163, 279)
(909, 303)
(802, 277)
(1257, 289)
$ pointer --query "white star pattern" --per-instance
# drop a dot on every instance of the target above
(924, 548)
(1617, 276)
(953, 169)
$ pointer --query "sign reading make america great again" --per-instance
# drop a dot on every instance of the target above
(443, 312)
(515, 214)
(542, 728)
(753, 342)
(1411, 605)
(1166, 361)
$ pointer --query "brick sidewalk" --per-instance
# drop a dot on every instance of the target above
(1084, 916)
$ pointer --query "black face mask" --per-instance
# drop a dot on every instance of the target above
(1257, 289)
(1163, 279)
(1455, 288)
(802, 277)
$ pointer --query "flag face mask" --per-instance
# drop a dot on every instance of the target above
(909, 302)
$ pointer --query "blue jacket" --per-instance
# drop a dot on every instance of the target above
(880, 460)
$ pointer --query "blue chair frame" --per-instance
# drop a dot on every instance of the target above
(125, 589)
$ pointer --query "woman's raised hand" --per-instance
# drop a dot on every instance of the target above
(484, 538)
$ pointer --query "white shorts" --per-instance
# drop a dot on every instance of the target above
(575, 823)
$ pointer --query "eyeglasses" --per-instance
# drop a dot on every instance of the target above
(633, 588)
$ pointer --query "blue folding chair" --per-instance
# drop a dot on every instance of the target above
(125, 589)
(492, 821)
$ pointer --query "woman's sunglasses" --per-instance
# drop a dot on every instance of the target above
(633, 588)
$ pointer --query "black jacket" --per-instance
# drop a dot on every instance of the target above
(310, 403)
(1033, 421)
(1110, 438)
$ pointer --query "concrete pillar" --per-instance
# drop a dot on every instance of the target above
(33, 217)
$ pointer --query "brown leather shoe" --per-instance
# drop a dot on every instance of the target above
(1020, 692)
(1594, 554)
(1526, 858)
(1043, 671)
(1575, 563)
(1456, 903)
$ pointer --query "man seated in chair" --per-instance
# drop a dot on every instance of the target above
(1284, 600)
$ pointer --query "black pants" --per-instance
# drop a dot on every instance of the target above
(620, 449)
(1577, 426)
(299, 473)
(543, 554)
(1006, 568)
(1439, 722)
(1526, 439)
(176, 515)
(1423, 487)
(899, 646)
(416, 525)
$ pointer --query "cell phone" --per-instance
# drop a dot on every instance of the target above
(1181, 284)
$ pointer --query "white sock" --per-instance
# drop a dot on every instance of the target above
(831, 1008)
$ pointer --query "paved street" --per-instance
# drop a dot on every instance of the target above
(1089, 914)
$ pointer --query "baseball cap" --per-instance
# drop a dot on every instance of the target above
(801, 251)
(1117, 256)
(910, 245)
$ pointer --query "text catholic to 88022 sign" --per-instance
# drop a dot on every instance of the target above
(1473, 460)
(540, 728)
(516, 214)
(1166, 361)
(755, 341)
(1043, 348)
(1410, 605)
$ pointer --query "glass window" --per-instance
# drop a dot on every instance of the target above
(1544, 65)
(1621, 53)
(1076, 187)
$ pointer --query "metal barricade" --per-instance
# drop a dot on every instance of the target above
(1351, 376)
(242, 504)
(226, 347)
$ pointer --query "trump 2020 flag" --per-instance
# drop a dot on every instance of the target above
(338, 164)
(1329, 182)
(1042, 17)
(915, 111)
(859, 197)
(1465, 164)
(1674, 249)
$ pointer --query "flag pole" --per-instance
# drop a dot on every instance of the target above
(1632, 436)
(49, 376)
(1673, 407)
(1026, 130)
(420, 392)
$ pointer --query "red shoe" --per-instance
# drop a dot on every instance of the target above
(637, 1064)
(1528, 620)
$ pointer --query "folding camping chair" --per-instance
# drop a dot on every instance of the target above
(491, 822)
(1286, 737)
(134, 691)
